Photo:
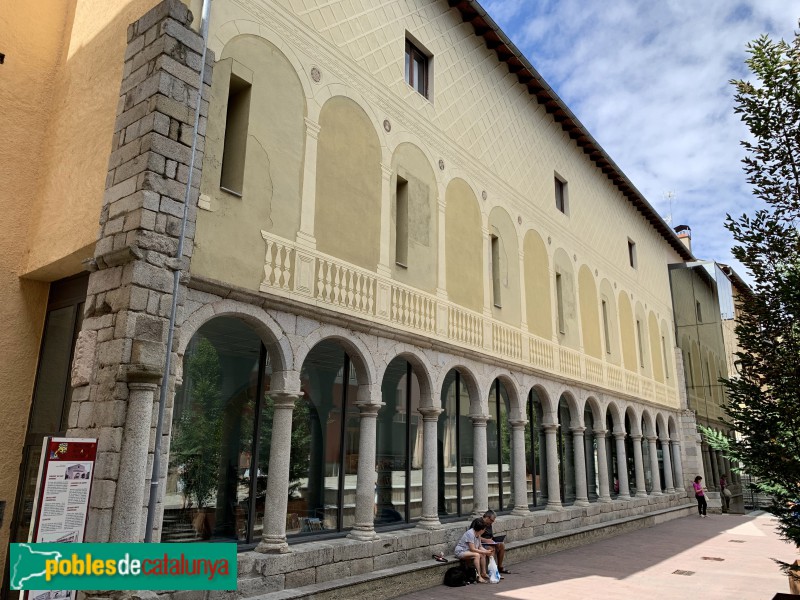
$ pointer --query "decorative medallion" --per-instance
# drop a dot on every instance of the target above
(441, 165)
(387, 126)
(484, 195)
(316, 74)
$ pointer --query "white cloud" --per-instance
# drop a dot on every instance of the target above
(650, 82)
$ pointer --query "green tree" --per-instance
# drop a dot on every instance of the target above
(765, 398)
(197, 440)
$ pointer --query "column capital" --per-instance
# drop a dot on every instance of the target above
(636, 437)
(479, 420)
(619, 435)
(284, 400)
(652, 439)
(577, 430)
(550, 427)
(518, 423)
(664, 440)
(430, 413)
(600, 433)
(369, 409)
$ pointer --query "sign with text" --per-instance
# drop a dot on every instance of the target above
(62, 497)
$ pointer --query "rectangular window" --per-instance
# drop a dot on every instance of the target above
(401, 223)
(664, 354)
(561, 194)
(699, 311)
(495, 249)
(416, 68)
(639, 339)
(560, 303)
(236, 122)
(632, 253)
(605, 327)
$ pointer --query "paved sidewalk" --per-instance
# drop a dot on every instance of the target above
(642, 565)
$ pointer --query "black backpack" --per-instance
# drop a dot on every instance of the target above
(461, 575)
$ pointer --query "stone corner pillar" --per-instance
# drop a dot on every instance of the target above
(666, 452)
(364, 527)
(677, 466)
(518, 470)
(430, 474)
(280, 448)
(656, 491)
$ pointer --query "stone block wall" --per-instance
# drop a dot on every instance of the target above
(121, 349)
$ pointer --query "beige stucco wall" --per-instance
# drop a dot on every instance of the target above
(228, 243)
(348, 202)
(464, 246)
(537, 286)
(590, 319)
(562, 265)
(410, 163)
(607, 294)
(655, 347)
(627, 333)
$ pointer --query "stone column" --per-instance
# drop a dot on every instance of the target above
(591, 474)
(553, 483)
(579, 454)
(714, 475)
(706, 466)
(638, 466)
(122, 347)
(430, 474)
(480, 475)
(127, 523)
(676, 465)
(665, 452)
(518, 471)
(384, 263)
(622, 467)
(721, 466)
(308, 206)
(364, 527)
(280, 448)
(656, 491)
(602, 465)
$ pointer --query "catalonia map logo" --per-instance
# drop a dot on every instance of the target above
(123, 566)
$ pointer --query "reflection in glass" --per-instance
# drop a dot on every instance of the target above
(648, 471)
(398, 492)
(325, 444)
(611, 455)
(535, 467)
(498, 449)
(566, 453)
(208, 482)
(590, 450)
(455, 448)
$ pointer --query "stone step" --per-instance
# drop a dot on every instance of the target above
(404, 579)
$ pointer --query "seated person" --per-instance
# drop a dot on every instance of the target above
(487, 536)
(469, 546)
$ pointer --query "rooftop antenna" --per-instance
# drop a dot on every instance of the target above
(669, 196)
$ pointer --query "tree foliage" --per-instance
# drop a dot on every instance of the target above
(765, 398)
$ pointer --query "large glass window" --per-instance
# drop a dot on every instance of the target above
(535, 467)
(455, 448)
(566, 454)
(398, 491)
(611, 455)
(646, 462)
(216, 483)
(590, 450)
(631, 461)
(498, 449)
(325, 439)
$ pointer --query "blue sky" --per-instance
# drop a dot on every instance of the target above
(649, 80)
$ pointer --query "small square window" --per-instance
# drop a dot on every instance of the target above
(417, 68)
(632, 253)
(561, 194)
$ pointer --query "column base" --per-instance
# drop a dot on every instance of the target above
(670, 490)
(641, 495)
(273, 545)
(429, 523)
(307, 240)
(604, 499)
(520, 511)
(624, 498)
(384, 270)
(656, 493)
(363, 533)
(582, 503)
(554, 506)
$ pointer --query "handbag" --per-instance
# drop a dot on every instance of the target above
(494, 574)
(727, 493)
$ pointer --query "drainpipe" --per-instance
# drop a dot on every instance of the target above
(155, 476)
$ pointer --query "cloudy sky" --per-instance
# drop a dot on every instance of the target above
(649, 80)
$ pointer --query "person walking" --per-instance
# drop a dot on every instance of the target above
(699, 495)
